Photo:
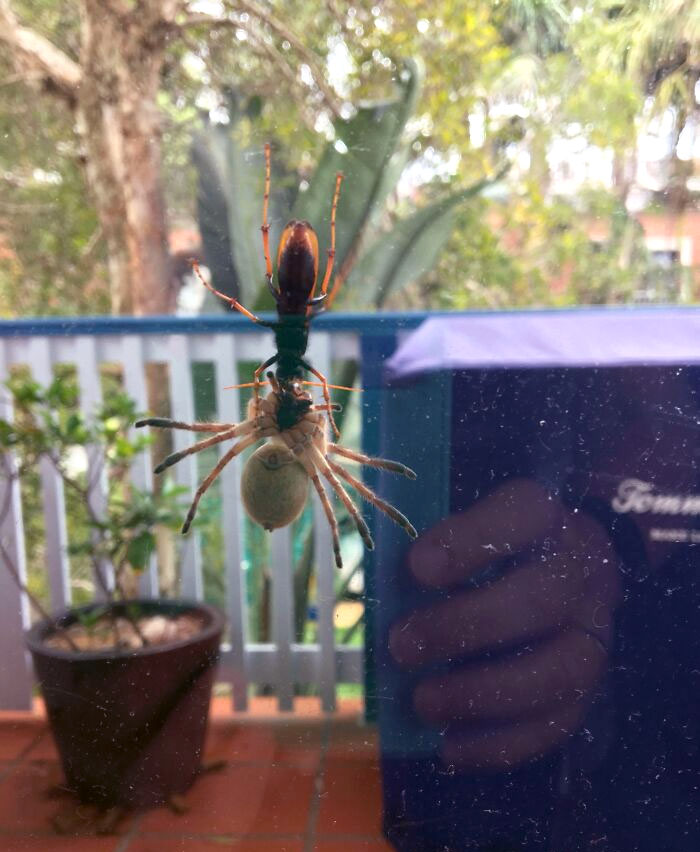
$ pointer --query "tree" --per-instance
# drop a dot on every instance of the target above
(110, 82)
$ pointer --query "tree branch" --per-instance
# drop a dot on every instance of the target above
(197, 19)
(32, 54)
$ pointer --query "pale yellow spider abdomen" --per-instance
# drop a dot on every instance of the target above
(274, 486)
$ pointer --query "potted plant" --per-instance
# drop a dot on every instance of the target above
(126, 681)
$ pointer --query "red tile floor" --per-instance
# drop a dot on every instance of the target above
(300, 783)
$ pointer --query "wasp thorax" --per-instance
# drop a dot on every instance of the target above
(274, 486)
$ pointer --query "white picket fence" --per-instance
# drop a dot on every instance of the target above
(282, 662)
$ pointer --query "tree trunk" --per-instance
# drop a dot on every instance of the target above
(121, 58)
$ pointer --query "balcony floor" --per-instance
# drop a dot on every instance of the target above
(301, 783)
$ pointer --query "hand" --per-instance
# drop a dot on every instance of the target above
(546, 624)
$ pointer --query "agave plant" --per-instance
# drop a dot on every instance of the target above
(371, 149)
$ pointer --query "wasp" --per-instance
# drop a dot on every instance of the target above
(275, 479)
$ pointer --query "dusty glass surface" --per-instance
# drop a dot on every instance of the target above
(478, 223)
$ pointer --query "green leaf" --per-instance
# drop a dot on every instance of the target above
(25, 391)
(410, 249)
(61, 392)
(229, 204)
(139, 550)
(8, 435)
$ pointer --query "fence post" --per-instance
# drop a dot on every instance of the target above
(15, 677)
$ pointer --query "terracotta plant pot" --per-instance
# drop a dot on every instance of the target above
(130, 725)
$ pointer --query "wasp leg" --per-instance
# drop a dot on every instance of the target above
(231, 301)
(331, 250)
(265, 227)
(326, 394)
(256, 376)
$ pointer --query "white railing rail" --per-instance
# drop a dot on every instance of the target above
(224, 342)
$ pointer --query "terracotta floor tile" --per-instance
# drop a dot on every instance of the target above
(30, 797)
(240, 742)
(43, 748)
(241, 799)
(17, 735)
(351, 798)
(24, 801)
(293, 743)
(176, 843)
(53, 843)
(353, 740)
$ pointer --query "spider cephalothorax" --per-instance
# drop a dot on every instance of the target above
(275, 478)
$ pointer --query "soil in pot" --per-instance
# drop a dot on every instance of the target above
(129, 723)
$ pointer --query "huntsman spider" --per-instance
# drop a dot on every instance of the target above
(275, 480)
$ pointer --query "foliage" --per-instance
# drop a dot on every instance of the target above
(48, 426)
(370, 149)
(498, 79)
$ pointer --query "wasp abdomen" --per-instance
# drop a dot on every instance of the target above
(297, 267)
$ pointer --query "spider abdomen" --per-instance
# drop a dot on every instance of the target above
(274, 486)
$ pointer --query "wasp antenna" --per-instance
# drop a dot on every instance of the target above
(334, 387)
(245, 385)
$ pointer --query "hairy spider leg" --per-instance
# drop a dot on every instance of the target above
(369, 461)
(231, 301)
(265, 227)
(326, 394)
(331, 250)
(235, 450)
(319, 461)
(236, 431)
(327, 508)
(166, 423)
(369, 495)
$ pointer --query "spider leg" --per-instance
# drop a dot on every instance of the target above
(325, 502)
(369, 495)
(166, 423)
(244, 428)
(320, 462)
(382, 464)
(235, 450)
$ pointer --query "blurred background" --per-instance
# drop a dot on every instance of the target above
(131, 139)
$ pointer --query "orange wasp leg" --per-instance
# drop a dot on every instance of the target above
(331, 250)
(326, 394)
(233, 302)
(265, 227)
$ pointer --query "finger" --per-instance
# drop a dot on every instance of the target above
(529, 602)
(507, 747)
(511, 518)
(562, 670)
